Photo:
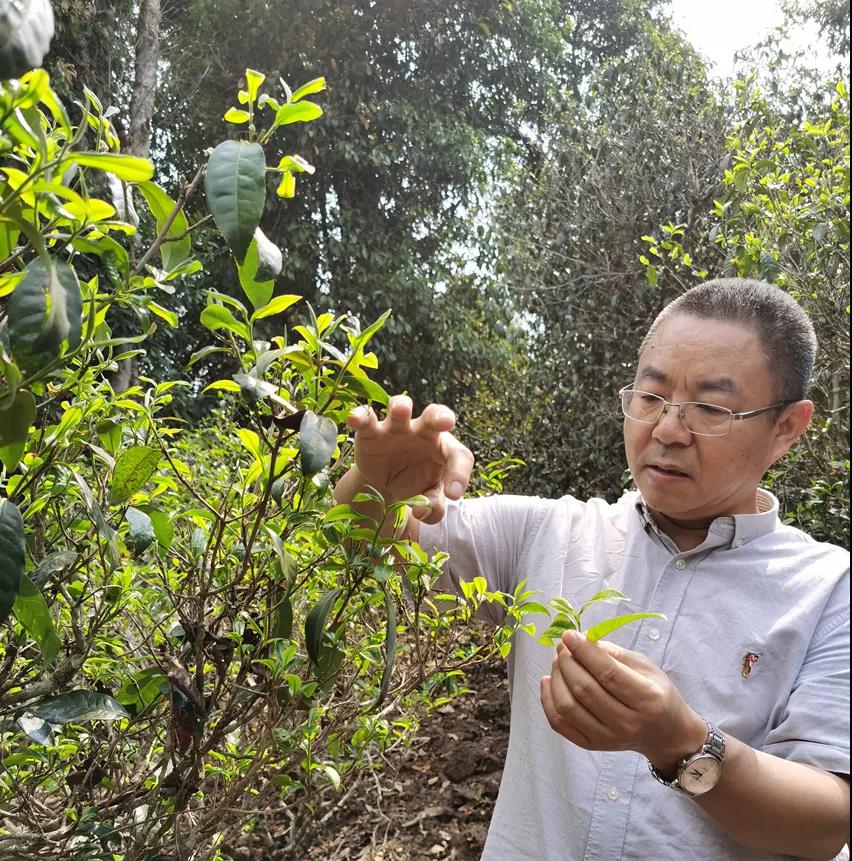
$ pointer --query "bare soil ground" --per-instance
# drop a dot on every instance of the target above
(436, 804)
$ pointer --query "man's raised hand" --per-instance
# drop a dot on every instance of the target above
(403, 456)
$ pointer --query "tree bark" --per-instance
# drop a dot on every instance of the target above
(145, 78)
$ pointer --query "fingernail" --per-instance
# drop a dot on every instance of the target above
(456, 490)
(571, 638)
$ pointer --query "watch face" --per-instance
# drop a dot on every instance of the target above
(700, 774)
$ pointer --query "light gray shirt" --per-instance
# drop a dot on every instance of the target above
(756, 639)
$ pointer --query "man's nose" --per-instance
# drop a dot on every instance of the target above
(670, 428)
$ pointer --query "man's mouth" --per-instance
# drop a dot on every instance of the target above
(667, 470)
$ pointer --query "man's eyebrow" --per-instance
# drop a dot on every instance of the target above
(723, 385)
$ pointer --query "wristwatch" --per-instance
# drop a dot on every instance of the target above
(699, 772)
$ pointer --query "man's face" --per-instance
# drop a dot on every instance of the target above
(693, 479)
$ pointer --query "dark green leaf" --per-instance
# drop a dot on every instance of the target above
(45, 312)
(79, 706)
(256, 278)
(315, 623)
(141, 530)
(31, 611)
(12, 551)
(53, 564)
(235, 183)
(133, 467)
(390, 646)
(769, 266)
(164, 529)
(15, 422)
(282, 618)
(317, 442)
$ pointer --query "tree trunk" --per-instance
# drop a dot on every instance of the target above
(145, 78)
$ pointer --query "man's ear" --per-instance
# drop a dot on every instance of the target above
(791, 424)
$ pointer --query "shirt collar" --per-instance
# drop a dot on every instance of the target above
(733, 530)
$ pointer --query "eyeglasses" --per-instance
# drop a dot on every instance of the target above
(698, 418)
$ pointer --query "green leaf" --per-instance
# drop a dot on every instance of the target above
(45, 312)
(315, 623)
(133, 467)
(12, 550)
(215, 317)
(253, 81)
(251, 273)
(164, 529)
(314, 86)
(303, 112)
(282, 618)
(275, 306)
(79, 706)
(31, 611)
(605, 595)
(235, 184)
(15, 422)
(269, 258)
(141, 530)
(317, 442)
(172, 253)
(602, 629)
(390, 646)
(236, 116)
(51, 565)
(769, 266)
(129, 168)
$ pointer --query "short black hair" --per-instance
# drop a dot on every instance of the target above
(785, 331)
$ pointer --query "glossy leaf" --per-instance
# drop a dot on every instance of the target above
(129, 168)
(303, 112)
(133, 467)
(314, 86)
(79, 706)
(235, 183)
(315, 623)
(141, 533)
(175, 251)
(252, 274)
(269, 258)
(53, 564)
(597, 632)
(45, 312)
(31, 611)
(15, 421)
(390, 646)
(12, 551)
(278, 305)
(317, 442)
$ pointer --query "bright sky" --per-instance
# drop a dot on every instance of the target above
(719, 28)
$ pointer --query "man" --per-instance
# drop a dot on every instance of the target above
(737, 703)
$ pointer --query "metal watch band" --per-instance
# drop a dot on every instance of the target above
(714, 746)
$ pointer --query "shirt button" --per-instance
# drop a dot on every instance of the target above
(738, 542)
(612, 795)
(680, 564)
(654, 634)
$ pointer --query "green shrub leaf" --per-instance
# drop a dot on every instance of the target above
(175, 251)
(15, 422)
(133, 467)
(235, 184)
(141, 530)
(31, 611)
(45, 312)
(79, 706)
(317, 442)
(315, 623)
(12, 551)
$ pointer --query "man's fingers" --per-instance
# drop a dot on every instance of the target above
(605, 663)
(557, 722)
(364, 421)
(458, 465)
(434, 420)
(438, 506)
(398, 419)
(588, 691)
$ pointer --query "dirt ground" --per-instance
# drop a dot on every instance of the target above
(438, 802)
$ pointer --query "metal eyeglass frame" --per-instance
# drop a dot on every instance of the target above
(666, 404)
